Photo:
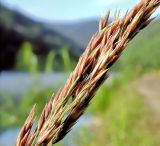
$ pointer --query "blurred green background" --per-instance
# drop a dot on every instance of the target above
(36, 60)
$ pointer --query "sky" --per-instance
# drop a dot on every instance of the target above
(60, 10)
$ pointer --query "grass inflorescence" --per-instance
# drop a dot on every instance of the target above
(71, 101)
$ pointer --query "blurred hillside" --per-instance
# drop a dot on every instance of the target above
(80, 32)
(16, 28)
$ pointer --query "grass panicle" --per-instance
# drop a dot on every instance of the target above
(71, 101)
